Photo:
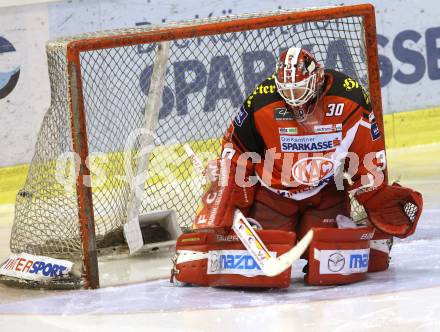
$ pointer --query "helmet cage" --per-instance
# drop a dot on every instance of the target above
(289, 91)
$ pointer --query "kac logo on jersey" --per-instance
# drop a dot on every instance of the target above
(8, 79)
(313, 171)
(240, 117)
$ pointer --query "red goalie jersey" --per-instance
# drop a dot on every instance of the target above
(297, 159)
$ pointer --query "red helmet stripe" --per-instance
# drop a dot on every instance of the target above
(290, 64)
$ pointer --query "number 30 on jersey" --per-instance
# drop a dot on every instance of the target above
(335, 109)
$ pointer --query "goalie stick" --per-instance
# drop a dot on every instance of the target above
(271, 266)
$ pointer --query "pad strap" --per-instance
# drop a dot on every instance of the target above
(380, 248)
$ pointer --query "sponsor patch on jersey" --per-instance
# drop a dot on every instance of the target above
(266, 89)
(283, 114)
(350, 84)
(319, 129)
(240, 117)
(262, 89)
(310, 143)
(233, 262)
(313, 171)
(342, 261)
(375, 132)
(288, 131)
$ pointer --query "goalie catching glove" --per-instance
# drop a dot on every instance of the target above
(394, 209)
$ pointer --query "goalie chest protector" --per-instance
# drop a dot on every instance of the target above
(211, 259)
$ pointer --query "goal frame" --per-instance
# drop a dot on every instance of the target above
(161, 34)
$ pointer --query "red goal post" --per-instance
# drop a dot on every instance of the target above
(87, 95)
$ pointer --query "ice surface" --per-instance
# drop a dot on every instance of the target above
(415, 265)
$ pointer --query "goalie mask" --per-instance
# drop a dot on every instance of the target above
(299, 78)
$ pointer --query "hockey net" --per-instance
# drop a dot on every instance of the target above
(100, 87)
